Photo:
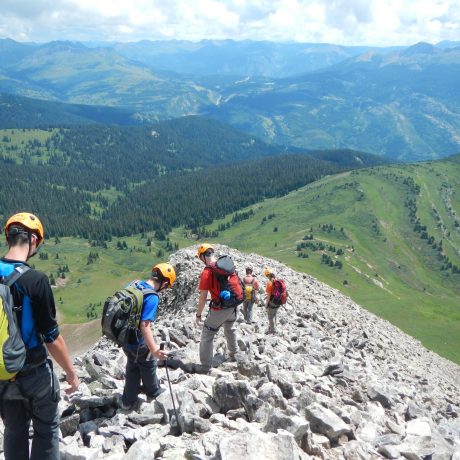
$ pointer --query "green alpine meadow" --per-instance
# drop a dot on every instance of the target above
(388, 237)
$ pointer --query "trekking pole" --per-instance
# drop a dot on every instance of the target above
(162, 346)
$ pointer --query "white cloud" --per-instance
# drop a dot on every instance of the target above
(373, 22)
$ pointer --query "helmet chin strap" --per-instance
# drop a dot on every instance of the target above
(30, 255)
(163, 285)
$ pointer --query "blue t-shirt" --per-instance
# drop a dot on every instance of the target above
(150, 304)
(149, 313)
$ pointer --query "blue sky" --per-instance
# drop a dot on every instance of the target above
(344, 22)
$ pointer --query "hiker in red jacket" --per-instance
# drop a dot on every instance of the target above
(216, 316)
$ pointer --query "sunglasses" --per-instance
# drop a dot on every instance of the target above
(208, 253)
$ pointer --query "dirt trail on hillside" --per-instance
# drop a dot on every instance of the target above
(80, 337)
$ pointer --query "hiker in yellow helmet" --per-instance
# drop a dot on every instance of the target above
(34, 393)
(27, 224)
(141, 349)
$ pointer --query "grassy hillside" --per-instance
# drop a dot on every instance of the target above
(83, 275)
(386, 266)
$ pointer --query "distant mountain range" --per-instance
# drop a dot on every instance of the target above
(399, 102)
(405, 105)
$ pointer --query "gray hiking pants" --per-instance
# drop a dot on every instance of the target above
(247, 310)
(214, 320)
(271, 314)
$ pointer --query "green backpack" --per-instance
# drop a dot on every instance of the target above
(122, 311)
(12, 348)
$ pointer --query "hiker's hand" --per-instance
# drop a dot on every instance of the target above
(160, 354)
(74, 382)
(198, 320)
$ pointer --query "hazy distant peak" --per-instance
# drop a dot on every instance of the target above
(419, 48)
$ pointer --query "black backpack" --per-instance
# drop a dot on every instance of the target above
(121, 314)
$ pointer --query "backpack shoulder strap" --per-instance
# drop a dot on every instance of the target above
(17, 273)
(250, 282)
(145, 290)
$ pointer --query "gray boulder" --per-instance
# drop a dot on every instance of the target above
(324, 421)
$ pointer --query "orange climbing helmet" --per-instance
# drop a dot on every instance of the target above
(29, 221)
(166, 271)
(203, 248)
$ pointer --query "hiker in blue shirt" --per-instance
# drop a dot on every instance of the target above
(141, 348)
(33, 394)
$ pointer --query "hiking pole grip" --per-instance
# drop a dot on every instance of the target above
(162, 347)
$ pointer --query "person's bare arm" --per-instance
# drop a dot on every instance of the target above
(153, 347)
(201, 302)
(58, 350)
(201, 305)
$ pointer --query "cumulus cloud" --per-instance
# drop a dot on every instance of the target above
(375, 22)
(347, 14)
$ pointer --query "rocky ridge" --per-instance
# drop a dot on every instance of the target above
(336, 382)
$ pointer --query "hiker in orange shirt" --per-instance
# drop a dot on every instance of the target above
(270, 307)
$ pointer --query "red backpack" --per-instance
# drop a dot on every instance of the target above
(279, 295)
(230, 286)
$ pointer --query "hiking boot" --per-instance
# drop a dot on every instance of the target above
(201, 369)
(128, 407)
(150, 398)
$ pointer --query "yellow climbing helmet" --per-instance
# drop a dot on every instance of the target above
(267, 272)
(166, 271)
(29, 222)
(203, 248)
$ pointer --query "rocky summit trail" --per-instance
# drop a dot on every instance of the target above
(336, 382)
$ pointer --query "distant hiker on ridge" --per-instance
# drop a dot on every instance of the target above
(251, 288)
(33, 393)
(275, 296)
(220, 279)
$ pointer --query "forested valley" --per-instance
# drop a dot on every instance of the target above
(98, 181)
